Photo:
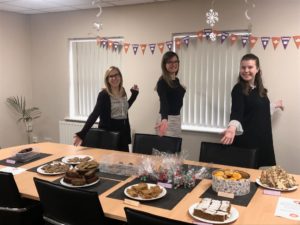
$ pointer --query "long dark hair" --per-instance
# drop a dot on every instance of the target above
(258, 80)
(165, 73)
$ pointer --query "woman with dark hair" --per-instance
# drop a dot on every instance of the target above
(250, 118)
(112, 109)
(171, 94)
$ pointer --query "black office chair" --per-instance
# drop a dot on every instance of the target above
(98, 138)
(135, 217)
(228, 155)
(145, 143)
(75, 206)
(15, 210)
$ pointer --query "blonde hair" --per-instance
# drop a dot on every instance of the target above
(107, 84)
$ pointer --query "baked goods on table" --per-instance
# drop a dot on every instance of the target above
(83, 174)
(55, 167)
(276, 177)
(211, 209)
(143, 190)
(236, 182)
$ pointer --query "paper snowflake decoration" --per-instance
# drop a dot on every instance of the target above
(212, 17)
(212, 36)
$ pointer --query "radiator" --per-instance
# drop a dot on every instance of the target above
(67, 129)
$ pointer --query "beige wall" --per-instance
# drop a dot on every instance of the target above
(155, 23)
(15, 73)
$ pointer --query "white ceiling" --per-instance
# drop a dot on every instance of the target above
(45, 6)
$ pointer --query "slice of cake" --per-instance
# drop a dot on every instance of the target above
(211, 209)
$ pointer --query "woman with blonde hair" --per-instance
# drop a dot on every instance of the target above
(112, 109)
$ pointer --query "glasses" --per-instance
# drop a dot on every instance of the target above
(173, 62)
(113, 75)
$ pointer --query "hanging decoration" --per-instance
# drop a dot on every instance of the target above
(212, 17)
(209, 34)
(247, 10)
(97, 24)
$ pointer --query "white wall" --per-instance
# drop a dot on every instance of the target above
(155, 23)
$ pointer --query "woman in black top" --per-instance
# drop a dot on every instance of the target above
(171, 94)
(112, 109)
(250, 117)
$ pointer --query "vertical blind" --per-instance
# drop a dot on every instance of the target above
(88, 64)
(209, 70)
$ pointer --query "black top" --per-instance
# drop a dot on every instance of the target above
(171, 98)
(102, 110)
(253, 112)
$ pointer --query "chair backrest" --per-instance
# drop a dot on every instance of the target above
(15, 210)
(98, 138)
(135, 217)
(145, 143)
(69, 205)
(228, 155)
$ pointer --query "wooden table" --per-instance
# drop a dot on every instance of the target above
(259, 211)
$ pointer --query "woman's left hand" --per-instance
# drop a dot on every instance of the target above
(135, 88)
(279, 105)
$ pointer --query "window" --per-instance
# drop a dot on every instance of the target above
(88, 63)
(209, 70)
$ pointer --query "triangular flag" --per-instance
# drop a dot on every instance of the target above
(116, 45)
(200, 35)
(143, 47)
(285, 41)
(233, 38)
(126, 47)
(297, 40)
(207, 32)
(135, 48)
(224, 35)
(186, 40)
(265, 41)
(275, 41)
(103, 42)
(152, 48)
(110, 44)
(253, 41)
(245, 39)
(169, 45)
(98, 40)
(178, 42)
(161, 46)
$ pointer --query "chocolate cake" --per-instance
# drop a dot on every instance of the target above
(211, 209)
(75, 178)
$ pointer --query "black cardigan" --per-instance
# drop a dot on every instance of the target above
(102, 110)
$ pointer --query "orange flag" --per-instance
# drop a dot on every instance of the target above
(275, 41)
(126, 47)
(200, 35)
(178, 42)
(161, 46)
(297, 40)
(233, 38)
(143, 47)
(253, 41)
(98, 40)
(110, 44)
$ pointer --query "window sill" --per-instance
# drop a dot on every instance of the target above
(202, 129)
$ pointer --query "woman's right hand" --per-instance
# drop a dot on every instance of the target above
(77, 140)
(162, 127)
(228, 135)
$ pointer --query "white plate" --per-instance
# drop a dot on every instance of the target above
(162, 194)
(276, 189)
(67, 158)
(234, 214)
(41, 171)
(72, 186)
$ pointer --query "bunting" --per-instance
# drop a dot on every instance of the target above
(275, 41)
(207, 33)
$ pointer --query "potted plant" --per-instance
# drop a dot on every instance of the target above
(26, 115)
